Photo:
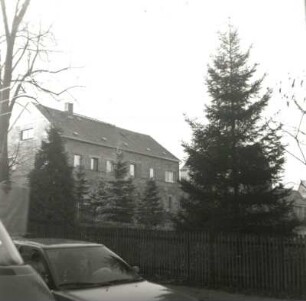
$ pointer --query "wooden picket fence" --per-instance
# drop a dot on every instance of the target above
(274, 266)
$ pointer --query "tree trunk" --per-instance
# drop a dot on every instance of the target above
(5, 109)
(4, 165)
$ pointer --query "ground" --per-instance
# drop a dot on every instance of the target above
(213, 295)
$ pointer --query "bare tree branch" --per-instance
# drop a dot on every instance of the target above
(39, 87)
(21, 112)
(19, 16)
(294, 156)
(5, 20)
(24, 50)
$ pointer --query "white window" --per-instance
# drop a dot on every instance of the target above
(109, 166)
(169, 176)
(132, 170)
(27, 134)
(77, 160)
(94, 164)
(151, 173)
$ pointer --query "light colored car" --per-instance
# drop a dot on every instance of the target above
(83, 271)
(18, 282)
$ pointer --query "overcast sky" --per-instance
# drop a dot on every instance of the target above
(144, 61)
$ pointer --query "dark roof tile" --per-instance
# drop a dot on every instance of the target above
(98, 132)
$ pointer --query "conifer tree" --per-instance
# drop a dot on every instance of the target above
(235, 159)
(99, 206)
(149, 210)
(120, 194)
(52, 198)
(81, 189)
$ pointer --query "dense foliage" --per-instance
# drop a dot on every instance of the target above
(149, 210)
(81, 190)
(120, 194)
(235, 159)
(52, 195)
(99, 207)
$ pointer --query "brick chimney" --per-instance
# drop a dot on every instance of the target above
(69, 108)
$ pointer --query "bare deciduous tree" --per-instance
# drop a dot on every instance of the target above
(22, 53)
(293, 93)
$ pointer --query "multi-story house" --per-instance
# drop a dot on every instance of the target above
(184, 173)
(93, 144)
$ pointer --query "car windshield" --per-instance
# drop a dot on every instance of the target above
(88, 266)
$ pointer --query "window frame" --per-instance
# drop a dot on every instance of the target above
(80, 160)
(151, 173)
(169, 176)
(30, 136)
(132, 170)
(94, 163)
(109, 166)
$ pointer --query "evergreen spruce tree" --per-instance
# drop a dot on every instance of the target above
(149, 210)
(99, 205)
(235, 160)
(120, 194)
(52, 198)
(81, 190)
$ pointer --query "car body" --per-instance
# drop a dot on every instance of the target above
(18, 281)
(84, 271)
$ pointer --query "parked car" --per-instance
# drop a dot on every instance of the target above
(76, 270)
(18, 282)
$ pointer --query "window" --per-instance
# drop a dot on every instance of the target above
(94, 164)
(27, 134)
(77, 160)
(151, 173)
(35, 259)
(109, 166)
(169, 176)
(132, 170)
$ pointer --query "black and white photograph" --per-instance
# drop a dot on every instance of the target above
(152, 150)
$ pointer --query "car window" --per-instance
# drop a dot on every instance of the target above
(94, 264)
(35, 258)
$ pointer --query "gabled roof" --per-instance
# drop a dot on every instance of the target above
(295, 196)
(88, 130)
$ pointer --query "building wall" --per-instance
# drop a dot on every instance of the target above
(31, 118)
(22, 152)
(169, 192)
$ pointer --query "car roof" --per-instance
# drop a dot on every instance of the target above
(48, 243)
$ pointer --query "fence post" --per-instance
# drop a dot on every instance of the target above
(188, 259)
(212, 265)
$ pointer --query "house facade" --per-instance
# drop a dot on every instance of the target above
(184, 173)
(93, 144)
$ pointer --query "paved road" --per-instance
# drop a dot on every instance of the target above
(212, 295)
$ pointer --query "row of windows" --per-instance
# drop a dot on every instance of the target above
(94, 166)
(28, 134)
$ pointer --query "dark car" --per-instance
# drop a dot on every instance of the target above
(18, 281)
(86, 271)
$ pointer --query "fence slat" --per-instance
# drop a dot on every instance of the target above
(258, 263)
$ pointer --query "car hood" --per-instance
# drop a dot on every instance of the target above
(139, 291)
